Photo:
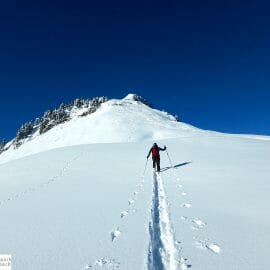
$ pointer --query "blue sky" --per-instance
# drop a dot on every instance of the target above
(207, 61)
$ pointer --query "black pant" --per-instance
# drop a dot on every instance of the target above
(156, 162)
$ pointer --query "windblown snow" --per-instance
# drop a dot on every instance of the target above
(77, 196)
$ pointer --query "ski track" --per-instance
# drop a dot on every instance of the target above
(163, 251)
(162, 254)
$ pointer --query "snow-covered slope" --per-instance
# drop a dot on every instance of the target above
(88, 207)
(83, 202)
(125, 120)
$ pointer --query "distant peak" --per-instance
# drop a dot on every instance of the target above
(130, 97)
(134, 97)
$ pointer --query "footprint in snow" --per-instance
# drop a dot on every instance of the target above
(198, 223)
(115, 233)
(140, 185)
(183, 264)
(206, 245)
(178, 244)
(124, 213)
(130, 202)
(214, 248)
(103, 262)
(186, 205)
(180, 186)
(184, 193)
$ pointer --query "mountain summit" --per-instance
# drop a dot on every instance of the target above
(97, 120)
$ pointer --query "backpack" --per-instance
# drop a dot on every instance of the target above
(155, 152)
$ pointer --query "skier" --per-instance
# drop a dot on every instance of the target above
(155, 155)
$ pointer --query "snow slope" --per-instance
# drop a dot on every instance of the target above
(82, 206)
(123, 120)
(88, 206)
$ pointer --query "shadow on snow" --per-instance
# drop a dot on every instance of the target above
(175, 166)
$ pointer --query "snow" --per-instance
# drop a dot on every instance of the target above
(116, 121)
(77, 197)
(162, 251)
(130, 97)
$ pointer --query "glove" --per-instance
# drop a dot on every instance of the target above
(165, 147)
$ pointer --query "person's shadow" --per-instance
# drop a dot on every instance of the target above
(175, 166)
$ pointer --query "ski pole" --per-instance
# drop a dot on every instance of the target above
(145, 166)
(169, 158)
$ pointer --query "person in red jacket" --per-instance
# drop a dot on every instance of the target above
(155, 155)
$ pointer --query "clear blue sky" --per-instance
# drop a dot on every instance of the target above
(207, 61)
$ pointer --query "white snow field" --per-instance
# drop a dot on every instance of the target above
(76, 198)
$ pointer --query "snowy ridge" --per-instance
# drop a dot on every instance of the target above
(131, 119)
(51, 119)
(114, 121)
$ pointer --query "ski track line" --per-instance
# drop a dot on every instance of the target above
(162, 254)
(34, 188)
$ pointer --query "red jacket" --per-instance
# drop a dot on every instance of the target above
(155, 151)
